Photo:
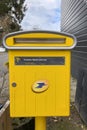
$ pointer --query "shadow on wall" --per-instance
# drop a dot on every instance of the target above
(81, 94)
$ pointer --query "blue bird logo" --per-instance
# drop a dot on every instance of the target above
(40, 86)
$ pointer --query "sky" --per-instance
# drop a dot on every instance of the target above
(42, 15)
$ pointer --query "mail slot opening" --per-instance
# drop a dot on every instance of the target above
(39, 40)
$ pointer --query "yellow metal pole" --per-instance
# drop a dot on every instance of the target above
(40, 123)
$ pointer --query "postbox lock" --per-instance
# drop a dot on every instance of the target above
(14, 84)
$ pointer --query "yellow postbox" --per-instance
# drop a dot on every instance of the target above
(39, 67)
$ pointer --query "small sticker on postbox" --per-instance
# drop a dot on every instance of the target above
(40, 86)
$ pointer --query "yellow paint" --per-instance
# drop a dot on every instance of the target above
(55, 101)
(40, 123)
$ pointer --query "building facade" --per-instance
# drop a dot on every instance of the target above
(74, 21)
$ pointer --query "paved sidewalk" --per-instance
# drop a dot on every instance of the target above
(4, 94)
(73, 89)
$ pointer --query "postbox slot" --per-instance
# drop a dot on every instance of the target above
(39, 40)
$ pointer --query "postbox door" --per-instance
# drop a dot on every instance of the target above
(39, 83)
